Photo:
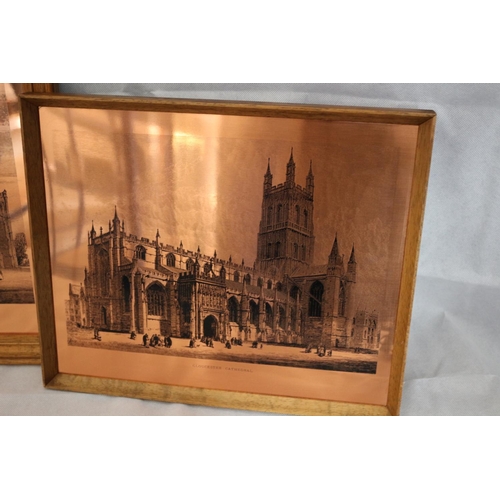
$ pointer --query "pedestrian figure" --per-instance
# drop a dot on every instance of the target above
(132, 335)
(228, 345)
(261, 345)
(145, 339)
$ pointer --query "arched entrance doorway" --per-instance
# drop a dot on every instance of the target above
(210, 327)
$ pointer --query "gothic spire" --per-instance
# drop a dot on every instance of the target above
(335, 249)
(268, 177)
(290, 170)
(352, 259)
(116, 215)
(310, 179)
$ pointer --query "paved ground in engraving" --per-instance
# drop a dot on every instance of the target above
(280, 355)
(16, 287)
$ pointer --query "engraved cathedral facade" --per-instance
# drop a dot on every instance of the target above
(134, 284)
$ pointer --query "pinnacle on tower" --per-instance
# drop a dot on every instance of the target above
(116, 215)
(268, 177)
(335, 249)
(310, 179)
(290, 169)
(352, 258)
(335, 257)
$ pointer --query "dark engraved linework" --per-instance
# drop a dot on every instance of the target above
(283, 310)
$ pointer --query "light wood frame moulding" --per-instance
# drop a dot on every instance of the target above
(54, 379)
(17, 348)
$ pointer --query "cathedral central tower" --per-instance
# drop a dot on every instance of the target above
(285, 242)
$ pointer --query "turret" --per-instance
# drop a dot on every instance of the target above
(116, 224)
(290, 170)
(268, 177)
(351, 266)
(92, 232)
(310, 179)
(335, 260)
(158, 249)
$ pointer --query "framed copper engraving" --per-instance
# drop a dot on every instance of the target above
(18, 322)
(241, 255)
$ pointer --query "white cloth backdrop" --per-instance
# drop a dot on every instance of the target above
(453, 363)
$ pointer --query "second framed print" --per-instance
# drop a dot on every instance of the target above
(19, 342)
(242, 255)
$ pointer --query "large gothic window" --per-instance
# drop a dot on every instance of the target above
(342, 299)
(303, 252)
(269, 285)
(297, 214)
(126, 293)
(254, 313)
(140, 252)
(190, 265)
(269, 250)
(236, 276)
(282, 318)
(269, 315)
(277, 249)
(294, 292)
(233, 306)
(156, 300)
(279, 213)
(316, 299)
(248, 279)
(171, 260)
(295, 251)
(306, 218)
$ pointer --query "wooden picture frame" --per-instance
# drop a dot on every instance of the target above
(289, 335)
(19, 344)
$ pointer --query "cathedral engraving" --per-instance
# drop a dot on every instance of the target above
(142, 289)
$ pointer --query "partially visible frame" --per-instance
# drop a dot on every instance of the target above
(19, 342)
(317, 351)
